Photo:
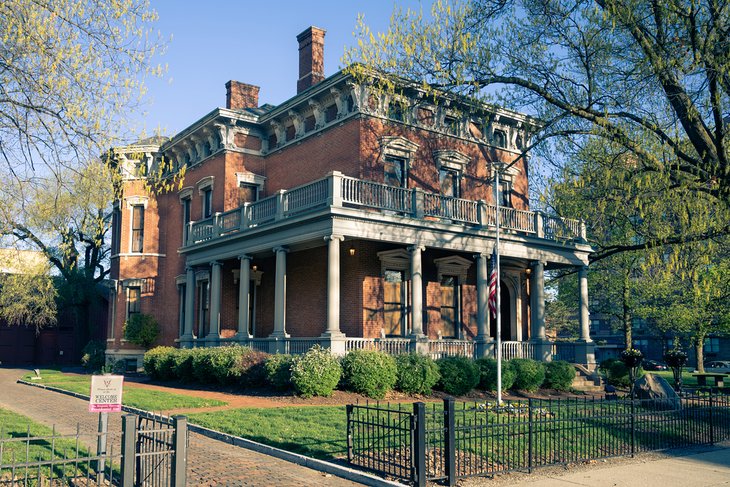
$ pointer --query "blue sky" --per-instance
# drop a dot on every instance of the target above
(253, 42)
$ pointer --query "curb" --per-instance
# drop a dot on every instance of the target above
(309, 462)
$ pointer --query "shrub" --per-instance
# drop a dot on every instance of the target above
(416, 373)
(94, 356)
(316, 373)
(488, 374)
(559, 375)
(153, 360)
(141, 329)
(278, 371)
(617, 374)
(252, 367)
(369, 372)
(183, 366)
(166, 365)
(530, 374)
(222, 364)
(459, 375)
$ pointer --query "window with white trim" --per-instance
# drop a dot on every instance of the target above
(137, 228)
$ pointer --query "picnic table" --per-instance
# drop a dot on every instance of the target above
(717, 378)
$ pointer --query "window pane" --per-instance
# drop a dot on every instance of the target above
(393, 302)
(207, 203)
(394, 168)
(137, 228)
(133, 300)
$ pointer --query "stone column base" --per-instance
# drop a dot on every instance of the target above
(335, 341)
(186, 341)
(543, 350)
(585, 353)
(485, 348)
(419, 344)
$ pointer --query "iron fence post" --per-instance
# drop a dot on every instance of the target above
(349, 433)
(419, 444)
(633, 426)
(449, 441)
(129, 440)
(712, 422)
(180, 453)
(529, 435)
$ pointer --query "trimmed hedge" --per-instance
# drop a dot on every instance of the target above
(416, 373)
(459, 375)
(252, 367)
(316, 373)
(369, 372)
(617, 374)
(153, 362)
(488, 374)
(559, 375)
(530, 374)
(278, 371)
(183, 366)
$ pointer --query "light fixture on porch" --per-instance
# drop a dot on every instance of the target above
(254, 267)
(351, 250)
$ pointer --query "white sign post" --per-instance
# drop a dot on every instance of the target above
(105, 397)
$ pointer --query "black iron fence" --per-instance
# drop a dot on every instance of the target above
(152, 453)
(453, 440)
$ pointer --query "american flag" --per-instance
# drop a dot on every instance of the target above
(493, 287)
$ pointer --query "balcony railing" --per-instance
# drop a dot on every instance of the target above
(341, 191)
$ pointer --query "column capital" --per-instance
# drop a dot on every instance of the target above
(189, 268)
(245, 257)
(214, 263)
(333, 236)
(482, 255)
(413, 248)
(538, 262)
(280, 248)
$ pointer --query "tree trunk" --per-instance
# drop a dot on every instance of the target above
(700, 352)
(626, 317)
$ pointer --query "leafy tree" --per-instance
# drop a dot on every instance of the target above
(696, 300)
(28, 296)
(70, 72)
(652, 78)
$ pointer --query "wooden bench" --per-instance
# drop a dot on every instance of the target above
(717, 378)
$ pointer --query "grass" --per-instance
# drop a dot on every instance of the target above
(317, 432)
(15, 428)
(687, 378)
(146, 399)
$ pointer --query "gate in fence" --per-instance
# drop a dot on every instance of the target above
(153, 452)
(453, 440)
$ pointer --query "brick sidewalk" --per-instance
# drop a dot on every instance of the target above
(210, 462)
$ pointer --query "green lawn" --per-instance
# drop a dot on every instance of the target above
(318, 432)
(147, 399)
(14, 428)
(687, 378)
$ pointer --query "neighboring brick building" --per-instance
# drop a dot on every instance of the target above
(343, 216)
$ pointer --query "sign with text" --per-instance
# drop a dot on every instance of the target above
(106, 393)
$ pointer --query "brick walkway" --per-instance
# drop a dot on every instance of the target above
(210, 462)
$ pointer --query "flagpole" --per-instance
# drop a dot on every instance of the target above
(497, 168)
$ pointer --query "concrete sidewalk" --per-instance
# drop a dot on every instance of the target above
(696, 467)
(694, 470)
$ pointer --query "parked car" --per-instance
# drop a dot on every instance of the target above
(653, 365)
(718, 366)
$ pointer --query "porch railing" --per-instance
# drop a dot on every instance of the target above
(339, 191)
(512, 350)
(450, 348)
(391, 346)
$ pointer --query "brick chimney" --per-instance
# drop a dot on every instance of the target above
(311, 58)
(241, 95)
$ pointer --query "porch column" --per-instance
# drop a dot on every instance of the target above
(483, 340)
(244, 282)
(187, 337)
(585, 330)
(280, 294)
(542, 347)
(419, 341)
(333, 334)
(215, 301)
(585, 352)
(537, 295)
